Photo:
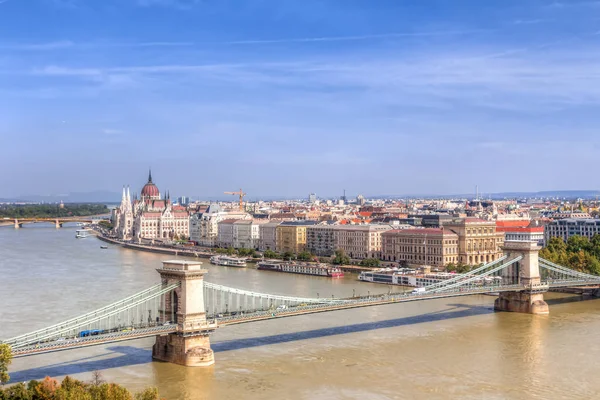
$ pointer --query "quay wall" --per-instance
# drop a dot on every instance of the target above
(201, 254)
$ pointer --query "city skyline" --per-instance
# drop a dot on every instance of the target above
(287, 98)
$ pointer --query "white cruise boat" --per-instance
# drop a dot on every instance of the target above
(228, 261)
(82, 233)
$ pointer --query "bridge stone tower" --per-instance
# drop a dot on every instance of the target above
(530, 301)
(190, 344)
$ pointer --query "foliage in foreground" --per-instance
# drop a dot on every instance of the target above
(578, 253)
(73, 389)
(5, 359)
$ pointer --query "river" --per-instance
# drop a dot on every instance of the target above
(438, 349)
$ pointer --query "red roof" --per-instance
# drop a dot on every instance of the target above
(473, 219)
(423, 231)
(515, 223)
(150, 190)
(521, 229)
(365, 213)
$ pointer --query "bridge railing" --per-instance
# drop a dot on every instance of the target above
(466, 281)
(567, 271)
(460, 277)
(88, 319)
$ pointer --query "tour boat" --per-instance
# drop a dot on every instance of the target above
(228, 261)
(82, 233)
(104, 247)
(301, 268)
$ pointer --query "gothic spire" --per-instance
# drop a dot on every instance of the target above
(149, 175)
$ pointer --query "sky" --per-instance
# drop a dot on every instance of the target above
(287, 97)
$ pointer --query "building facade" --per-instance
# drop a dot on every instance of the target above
(357, 241)
(268, 236)
(565, 228)
(521, 230)
(246, 234)
(478, 240)
(225, 235)
(204, 227)
(426, 246)
(291, 236)
(150, 216)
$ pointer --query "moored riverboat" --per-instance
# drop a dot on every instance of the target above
(228, 261)
(301, 268)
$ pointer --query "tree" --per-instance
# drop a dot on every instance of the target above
(458, 268)
(370, 262)
(270, 254)
(97, 378)
(5, 360)
(577, 261)
(304, 256)
(148, 394)
(578, 243)
(340, 258)
(288, 255)
(230, 251)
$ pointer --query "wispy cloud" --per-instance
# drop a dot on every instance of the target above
(67, 44)
(62, 44)
(112, 132)
(355, 37)
(178, 4)
(530, 21)
(70, 45)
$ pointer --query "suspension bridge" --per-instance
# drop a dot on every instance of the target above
(183, 310)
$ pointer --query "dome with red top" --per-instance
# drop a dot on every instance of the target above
(150, 190)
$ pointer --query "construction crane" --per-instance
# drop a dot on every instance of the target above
(241, 194)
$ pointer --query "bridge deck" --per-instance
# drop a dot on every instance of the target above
(68, 344)
(343, 304)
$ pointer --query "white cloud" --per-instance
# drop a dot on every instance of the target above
(112, 132)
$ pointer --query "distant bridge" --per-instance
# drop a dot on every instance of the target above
(58, 222)
(183, 310)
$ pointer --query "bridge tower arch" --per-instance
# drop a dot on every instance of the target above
(190, 344)
(531, 300)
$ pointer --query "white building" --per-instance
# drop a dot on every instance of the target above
(225, 237)
(150, 217)
(565, 228)
(204, 227)
(246, 234)
(357, 241)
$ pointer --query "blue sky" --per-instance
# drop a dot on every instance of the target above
(286, 97)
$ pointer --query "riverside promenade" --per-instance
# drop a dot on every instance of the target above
(198, 253)
(171, 250)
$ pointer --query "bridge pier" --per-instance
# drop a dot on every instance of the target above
(57, 224)
(190, 345)
(529, 301)
(18, 224)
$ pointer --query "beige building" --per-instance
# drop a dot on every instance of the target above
(425, 246)
(357, 241)
(478, 240)
(291, 236)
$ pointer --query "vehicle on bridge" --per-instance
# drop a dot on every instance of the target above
(91, 332)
